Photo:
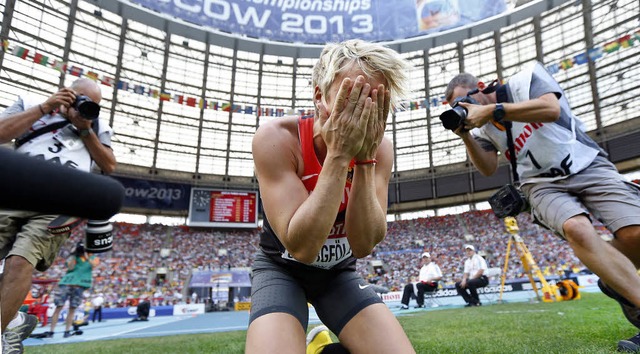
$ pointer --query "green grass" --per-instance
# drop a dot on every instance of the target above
(593, 324)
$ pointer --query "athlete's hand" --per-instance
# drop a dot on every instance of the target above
(377, 123)
(345, 128)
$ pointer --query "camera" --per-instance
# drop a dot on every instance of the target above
(79, 249)
(99, 236)
(86, 107)
(453, 118)
(508, 201)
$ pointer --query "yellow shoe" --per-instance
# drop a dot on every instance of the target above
(317, 339)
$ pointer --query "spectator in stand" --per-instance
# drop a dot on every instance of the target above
(473, 277)
(428, 279)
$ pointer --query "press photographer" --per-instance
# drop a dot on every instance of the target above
(564, 174)
(71, 287)
(63, 129)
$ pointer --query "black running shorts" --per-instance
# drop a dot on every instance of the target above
(337, 295)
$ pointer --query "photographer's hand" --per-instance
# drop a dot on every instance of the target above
(64, 97)
(477, 115)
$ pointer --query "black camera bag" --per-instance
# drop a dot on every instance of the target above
(509, 199)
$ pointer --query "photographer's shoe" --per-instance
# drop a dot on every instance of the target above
(13, 336)
(11, 347)
(317, 339)
(22, 331)
(631, 345)
(631, 312)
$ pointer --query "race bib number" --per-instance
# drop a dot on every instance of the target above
(335, 249)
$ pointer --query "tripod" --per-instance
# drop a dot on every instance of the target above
(549, 292)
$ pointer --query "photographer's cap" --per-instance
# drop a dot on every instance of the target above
(469, 247)
(426, 254)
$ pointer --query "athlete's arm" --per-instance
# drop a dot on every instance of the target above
(301, 221)
(366, 218)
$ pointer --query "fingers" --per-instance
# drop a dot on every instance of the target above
(358, 97)
(368, 116)
(386, 106)
(343, 91)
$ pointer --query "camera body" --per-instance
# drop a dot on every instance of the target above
(88, 109)
(79, 252)
(508, 201)
(453, 118)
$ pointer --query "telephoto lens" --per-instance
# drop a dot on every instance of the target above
(86, 107)
(98, 236)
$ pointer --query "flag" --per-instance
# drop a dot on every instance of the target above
(165, 96)
(139, 89)
(5, 45)
(625, 41)
(106, 80)
(635, 35)
(595, 53)
(178, 99)
(226, 107)
(40, 59)
(248, 110)
(553, 68)
(76, 70)
(279, 112)
(20, 52)
(202, 103)
(59, 65)
(92, 75)
(566, 64)
(611, 47)
(154, 93)
(122, 85)
(581, 59)
(191, 101)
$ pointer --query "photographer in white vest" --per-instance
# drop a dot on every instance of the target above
(64, 129)
(564, 174)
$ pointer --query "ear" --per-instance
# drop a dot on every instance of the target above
(317, 95)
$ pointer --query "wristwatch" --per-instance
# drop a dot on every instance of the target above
(84, 132)
(498, 113)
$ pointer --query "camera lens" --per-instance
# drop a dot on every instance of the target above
(86, 107)
(453, 118)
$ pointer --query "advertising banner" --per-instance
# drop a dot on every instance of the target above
(322, 21)
(139, 193)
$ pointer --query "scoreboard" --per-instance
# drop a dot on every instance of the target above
(223, 208)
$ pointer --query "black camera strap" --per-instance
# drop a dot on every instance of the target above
(36, 133)
(512, 153)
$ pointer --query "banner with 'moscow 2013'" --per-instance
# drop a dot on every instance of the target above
(322, 21)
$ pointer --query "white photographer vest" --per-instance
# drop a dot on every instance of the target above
(544, 151)
(61, 146)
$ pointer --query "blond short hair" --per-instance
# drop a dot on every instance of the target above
(371, 58)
